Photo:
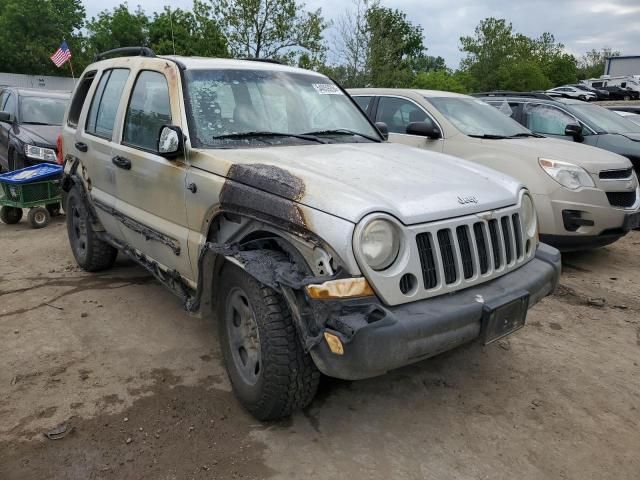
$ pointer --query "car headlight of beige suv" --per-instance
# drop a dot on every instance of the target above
(566, 174)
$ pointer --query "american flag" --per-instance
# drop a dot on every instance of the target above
(62, 55)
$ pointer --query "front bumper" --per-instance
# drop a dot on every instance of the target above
(382, 338)
(598, 223)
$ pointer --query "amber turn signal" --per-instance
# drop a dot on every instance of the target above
(342, 288)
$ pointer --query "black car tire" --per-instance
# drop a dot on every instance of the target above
(91, 253)
(270, 373)
(10, 215)
(626, 97)
(582, 97)
(39, 217)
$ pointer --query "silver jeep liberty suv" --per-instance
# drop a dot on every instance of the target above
(262, 196)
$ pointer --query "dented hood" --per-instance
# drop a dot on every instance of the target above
(352, 180)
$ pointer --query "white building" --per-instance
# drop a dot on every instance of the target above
(628, 65)
(36, 81)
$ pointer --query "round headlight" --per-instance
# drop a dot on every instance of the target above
(529, 221)
(380, 244)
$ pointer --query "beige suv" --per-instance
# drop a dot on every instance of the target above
(261, 193)
(585, 197)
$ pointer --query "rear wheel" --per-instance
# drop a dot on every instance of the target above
(91, 253)
(271, 374)
(582, 97)
(627, 97)
(39, 217)
(10, 215)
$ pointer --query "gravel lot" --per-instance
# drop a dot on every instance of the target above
(141, 388)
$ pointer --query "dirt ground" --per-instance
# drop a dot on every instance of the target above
(140, 387)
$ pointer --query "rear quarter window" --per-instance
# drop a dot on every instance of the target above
(79, 97)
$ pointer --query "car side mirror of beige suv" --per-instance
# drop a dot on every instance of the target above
(170, 141)
(424, 129)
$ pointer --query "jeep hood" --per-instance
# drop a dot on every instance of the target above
(352, 180)
(590, 158)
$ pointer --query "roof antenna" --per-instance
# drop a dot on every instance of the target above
(173, 42)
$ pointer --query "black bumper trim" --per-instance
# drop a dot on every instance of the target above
(415, 331)
(572, 243)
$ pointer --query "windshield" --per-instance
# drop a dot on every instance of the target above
(42, 110)
(476, 118)
(232, 108)
(604, 121)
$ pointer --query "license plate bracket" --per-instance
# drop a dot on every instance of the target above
(503, 316)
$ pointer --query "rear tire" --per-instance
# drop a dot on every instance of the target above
(10, 215)
(39, 217)
(270, 373)
(91, 253)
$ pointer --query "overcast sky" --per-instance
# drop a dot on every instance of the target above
(580, 24)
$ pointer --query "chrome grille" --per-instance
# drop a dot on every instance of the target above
(466, 252)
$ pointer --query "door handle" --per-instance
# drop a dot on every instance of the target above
(82, 146)
(121, 162)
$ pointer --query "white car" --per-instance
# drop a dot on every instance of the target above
(633, 117)
(573, 92)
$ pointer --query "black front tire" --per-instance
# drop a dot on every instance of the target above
(39, 217)
(10, 215)
(91, 253)
(270, 373)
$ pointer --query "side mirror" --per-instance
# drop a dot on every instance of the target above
(6, 117)
(574, 130)
(424, 129)
(170, 141)
(383, 129)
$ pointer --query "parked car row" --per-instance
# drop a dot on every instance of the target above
(270, 198)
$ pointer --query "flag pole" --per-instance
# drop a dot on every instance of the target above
(71, 67)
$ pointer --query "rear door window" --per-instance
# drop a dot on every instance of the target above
(363, 102)
(106, 99)
(149, 109)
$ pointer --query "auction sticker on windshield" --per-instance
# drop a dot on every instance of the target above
(327, 89)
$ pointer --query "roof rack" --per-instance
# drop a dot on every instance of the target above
(506, 93)
(126, 52)
(264, 60)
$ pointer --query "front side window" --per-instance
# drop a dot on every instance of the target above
(11, 104)
(547, 119)
(250, 108)
(37, 110)
(476, 118)
(397, 113)
(104, 106)
(149, 109)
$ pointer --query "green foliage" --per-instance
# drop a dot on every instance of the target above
(441, 79)
(500, 59)
(117, 28)
(396, 50)
(277, 29)
(591, 64)
(29, 34)
(183, 32)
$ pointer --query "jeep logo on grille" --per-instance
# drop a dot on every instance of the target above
(465, 200)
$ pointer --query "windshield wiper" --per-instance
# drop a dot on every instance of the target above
(240, 135)
(527, 134)
(36, 123)
(489, 136)
(343, 131)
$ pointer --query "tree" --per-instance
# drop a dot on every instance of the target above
(184, 32)
(28, 41)
(396, 50)
(278, 29)
(117, 28)
(440, 79)
(499, 58)
(591, 64)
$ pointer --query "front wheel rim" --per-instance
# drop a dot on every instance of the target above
(78, 227)
(243, 336)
